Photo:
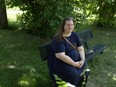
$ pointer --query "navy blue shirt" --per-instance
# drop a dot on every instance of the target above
(59, 67)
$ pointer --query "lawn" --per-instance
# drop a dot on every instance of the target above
(103, 71)
(21, 65)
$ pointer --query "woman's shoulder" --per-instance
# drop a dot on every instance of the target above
(74, 34)
(55, 40)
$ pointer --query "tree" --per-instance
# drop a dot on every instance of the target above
(42, 17)
(106, 13)
(3, 15)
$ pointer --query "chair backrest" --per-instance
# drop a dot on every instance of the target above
(44, 51)
(85, 35)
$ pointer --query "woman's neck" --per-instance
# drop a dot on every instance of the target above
(66, 34)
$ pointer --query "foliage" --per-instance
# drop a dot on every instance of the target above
(106, 13)
(13, 25)
(103, 10)
(44, 16)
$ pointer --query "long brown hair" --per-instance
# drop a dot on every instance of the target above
(59, 35)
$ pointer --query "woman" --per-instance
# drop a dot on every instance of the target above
(65, 61)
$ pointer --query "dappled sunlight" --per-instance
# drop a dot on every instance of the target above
(112, 75)
(11, 66)
(12, 45)
(23, 83)
(115, 56)
(107, 35)
(18, 29)
(12, 14)
(0, 36)
(9, 77)
(109, 74)
(27, 79)
(107, 49)
(114, 51)
(24, 76)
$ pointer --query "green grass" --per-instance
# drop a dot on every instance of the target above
(21, 66)
(19, 49)
(103, 72)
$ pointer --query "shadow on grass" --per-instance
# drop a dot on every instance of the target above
(22, 77)
(10, 77)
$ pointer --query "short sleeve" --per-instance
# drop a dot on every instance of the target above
(58, 46)
(78, 41)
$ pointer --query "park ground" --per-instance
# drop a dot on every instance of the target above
(21, 65)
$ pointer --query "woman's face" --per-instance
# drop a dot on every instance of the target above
(69, 26)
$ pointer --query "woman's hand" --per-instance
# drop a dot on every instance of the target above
(79, 64)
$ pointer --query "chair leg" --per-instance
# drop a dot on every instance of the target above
(85, 77)
(87, 72)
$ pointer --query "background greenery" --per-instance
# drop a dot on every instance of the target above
(21, 65)
(20, 62)
(42, 17)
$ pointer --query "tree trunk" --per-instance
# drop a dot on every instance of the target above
(3, 15)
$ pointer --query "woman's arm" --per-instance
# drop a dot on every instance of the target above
(67, 59)
(82, 55)
(81, 52)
